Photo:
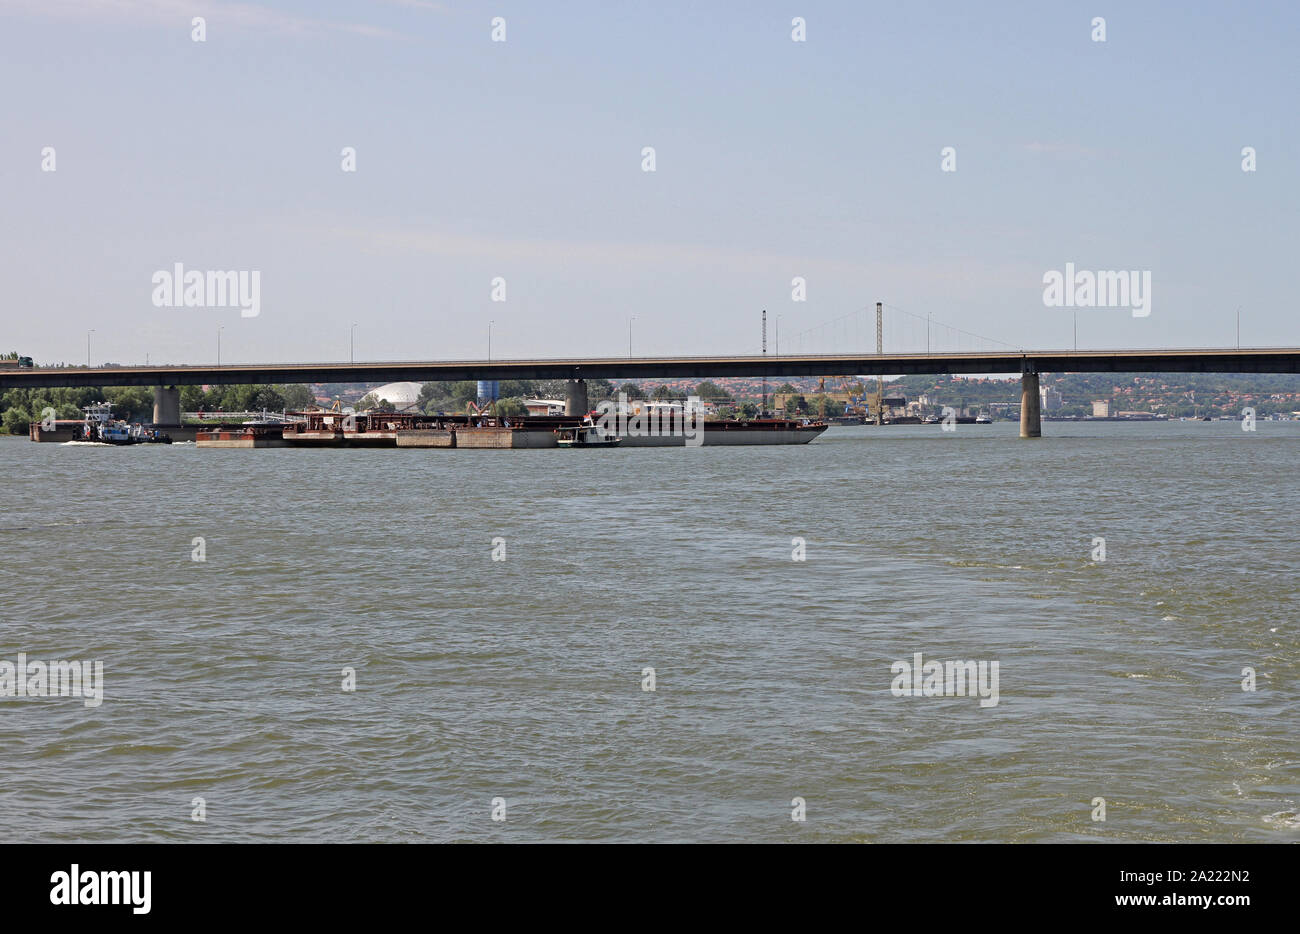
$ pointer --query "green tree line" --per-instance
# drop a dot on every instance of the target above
(20, 407)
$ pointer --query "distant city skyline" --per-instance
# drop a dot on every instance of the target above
(515, 169)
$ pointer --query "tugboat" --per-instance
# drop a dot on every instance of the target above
(587, 436)
(100, 427)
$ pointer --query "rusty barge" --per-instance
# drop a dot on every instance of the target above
(320, 429)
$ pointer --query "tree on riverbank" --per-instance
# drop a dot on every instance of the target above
(20, 407)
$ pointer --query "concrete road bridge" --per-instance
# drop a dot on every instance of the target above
(1029, 363)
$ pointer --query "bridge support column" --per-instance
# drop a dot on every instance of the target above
(1031, 422)
(166, 406)
(575, 401)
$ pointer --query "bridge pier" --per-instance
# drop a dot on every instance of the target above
(575, 401)
(166, 406)
(1031, 422)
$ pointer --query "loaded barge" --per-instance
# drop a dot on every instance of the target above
(404, 430)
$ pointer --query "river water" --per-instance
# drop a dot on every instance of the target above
(523, 679)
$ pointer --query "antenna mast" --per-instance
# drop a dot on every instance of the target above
(880, 350)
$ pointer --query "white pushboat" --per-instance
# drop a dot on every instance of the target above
(587, 436)
(100, 427)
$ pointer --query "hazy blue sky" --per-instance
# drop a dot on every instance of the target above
(522, 159)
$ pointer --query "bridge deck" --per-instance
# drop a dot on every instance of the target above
(1253, 360)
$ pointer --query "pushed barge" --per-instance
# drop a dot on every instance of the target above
(319, 429)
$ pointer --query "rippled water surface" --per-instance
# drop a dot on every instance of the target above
(522, 679)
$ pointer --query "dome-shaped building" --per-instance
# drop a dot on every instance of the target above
(401, 396)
